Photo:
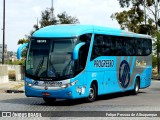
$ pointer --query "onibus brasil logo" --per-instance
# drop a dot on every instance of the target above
(124, 74)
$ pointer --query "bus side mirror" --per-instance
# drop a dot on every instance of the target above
(76, 50)
(20, 50)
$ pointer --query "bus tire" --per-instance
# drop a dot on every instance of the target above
(136, 87)
(92, 93)
(49, 101)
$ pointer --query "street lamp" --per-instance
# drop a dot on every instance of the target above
(3, 31)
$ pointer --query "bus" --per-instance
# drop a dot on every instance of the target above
(84, 61)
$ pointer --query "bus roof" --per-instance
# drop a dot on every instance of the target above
(74, 30)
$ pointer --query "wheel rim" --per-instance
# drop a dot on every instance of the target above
(91, 94)
(137, 87)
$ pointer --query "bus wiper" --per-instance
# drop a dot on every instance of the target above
(52, 66)
(68, 68)
(39, 66)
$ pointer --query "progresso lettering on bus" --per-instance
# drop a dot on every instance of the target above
(103, 63)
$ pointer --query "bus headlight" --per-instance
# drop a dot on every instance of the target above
(73, 83)
(69, 84)
(28, 84)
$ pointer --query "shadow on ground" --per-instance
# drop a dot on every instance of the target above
(40, 102)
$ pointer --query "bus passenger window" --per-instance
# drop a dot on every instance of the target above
(139, 51)
(108, 45)
(83, 52)
(147, 46)
(98, 46)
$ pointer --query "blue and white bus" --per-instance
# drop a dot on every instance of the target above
(84, 61)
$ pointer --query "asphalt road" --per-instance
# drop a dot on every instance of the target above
(147, 100)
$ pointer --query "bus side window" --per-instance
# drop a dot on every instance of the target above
(83, 52)
(147, 46)
(130, 47)
(120, 47)
(98, 47)
(108, 45)
(138, 47)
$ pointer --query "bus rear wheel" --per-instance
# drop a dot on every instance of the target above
(49, 101)
(92, 93)
(136, 87)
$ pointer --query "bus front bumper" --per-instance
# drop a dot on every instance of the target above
(64, 93)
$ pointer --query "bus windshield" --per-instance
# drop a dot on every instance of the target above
(50, 58)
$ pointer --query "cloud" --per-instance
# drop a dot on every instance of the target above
(96, 12)
(37, 9)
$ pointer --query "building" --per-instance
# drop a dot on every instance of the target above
(11, 56)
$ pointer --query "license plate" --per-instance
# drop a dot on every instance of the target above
(45, 93)
(52, 83)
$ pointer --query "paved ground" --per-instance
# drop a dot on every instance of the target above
(12, 85)
(147, 100)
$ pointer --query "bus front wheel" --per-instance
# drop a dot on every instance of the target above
(136, 87)
(92, 93)
(49, 101)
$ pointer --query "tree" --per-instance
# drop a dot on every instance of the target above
(63, 18)
(142, 17)
(23, 40)
(130, 19)
(154, 61)
(151, 9)
(47, 18)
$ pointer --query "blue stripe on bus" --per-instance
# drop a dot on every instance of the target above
(133, 63)
(122, 58)
(128, 59)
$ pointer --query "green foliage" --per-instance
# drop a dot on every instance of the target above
(47, 18)
(156, 42)
(11, 74)
(63, 18)
(154, 61)
(159, 22)
(124, 3)
(128, 3)
(130, 19)
(23, 40)
(150, 2)
(18, 62)
(142, 16)
(146, 29)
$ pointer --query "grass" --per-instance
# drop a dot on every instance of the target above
(18, 86)
(155, 75)
(11, 74)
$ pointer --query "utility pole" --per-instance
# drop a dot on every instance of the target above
(3, 32)
(37, 23)
(52, 9)
(145, 17)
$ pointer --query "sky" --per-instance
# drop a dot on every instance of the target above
(21, 15)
